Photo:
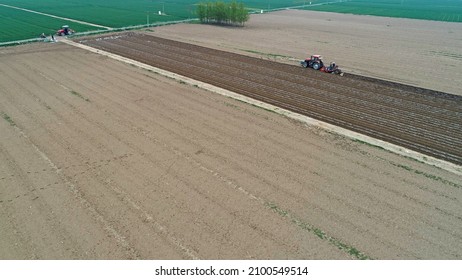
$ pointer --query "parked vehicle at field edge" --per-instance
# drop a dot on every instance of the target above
(65, 30)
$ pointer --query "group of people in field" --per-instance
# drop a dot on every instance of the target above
(44, 37)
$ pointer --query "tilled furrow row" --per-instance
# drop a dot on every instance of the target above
(393, 109)
(392, 90)
(168, 64)
(427, 149)
(425, 127)
(169, 61)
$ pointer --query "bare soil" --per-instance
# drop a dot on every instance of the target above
(102, 160)
(415, 118)
(421, 53)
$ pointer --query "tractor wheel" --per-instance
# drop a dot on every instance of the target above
(316, 66)
(304, 64)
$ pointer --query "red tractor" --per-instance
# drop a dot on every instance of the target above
(315, 62)
(65, 30)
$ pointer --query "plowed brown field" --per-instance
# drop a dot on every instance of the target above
(102, 160)
(422, 120)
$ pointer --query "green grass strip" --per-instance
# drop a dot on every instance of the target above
(319, 233)
(368, 144)
(8, 119)
(79, 95)
(408, 168)
(430, 176)
(267, 54)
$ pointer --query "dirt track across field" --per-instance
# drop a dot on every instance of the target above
(422, 120)
(102, 160)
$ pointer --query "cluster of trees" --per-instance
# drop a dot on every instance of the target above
(232, 13)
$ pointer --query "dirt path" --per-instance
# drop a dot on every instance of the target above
(416, 52)
(101, 160)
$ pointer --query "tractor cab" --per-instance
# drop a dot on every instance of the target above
(316, 57)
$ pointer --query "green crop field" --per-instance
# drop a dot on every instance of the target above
(16, 24)
(21, 25)
(112, 13)
(440, 10)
